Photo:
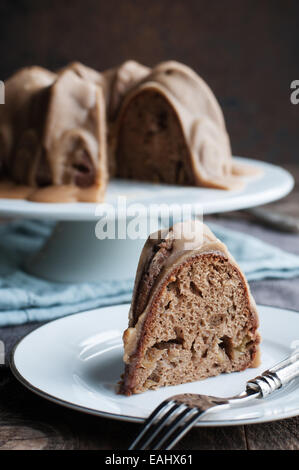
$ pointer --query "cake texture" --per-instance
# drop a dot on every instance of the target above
(64, 134)
(192, 315)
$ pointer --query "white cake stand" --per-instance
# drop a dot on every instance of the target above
(73, 253)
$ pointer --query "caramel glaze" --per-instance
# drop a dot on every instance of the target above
(51, 193)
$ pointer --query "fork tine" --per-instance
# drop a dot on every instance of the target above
(150, 420)
(180, 432)
(162, 423)
(177, 423)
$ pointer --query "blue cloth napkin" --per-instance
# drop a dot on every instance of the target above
(24, 298)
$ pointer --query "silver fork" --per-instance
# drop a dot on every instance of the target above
(174, 417)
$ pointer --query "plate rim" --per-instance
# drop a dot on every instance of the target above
(121, 417)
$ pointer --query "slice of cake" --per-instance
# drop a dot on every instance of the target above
(192, 315)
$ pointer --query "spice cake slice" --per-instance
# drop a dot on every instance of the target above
(192, 314)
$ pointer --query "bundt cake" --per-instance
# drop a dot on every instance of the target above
(192, 315)
(64, 134)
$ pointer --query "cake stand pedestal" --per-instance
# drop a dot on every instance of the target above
(73, 253)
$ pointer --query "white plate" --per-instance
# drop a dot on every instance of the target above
(274, 184)
(76, 361)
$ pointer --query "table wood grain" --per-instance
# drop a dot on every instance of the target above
(30, 422)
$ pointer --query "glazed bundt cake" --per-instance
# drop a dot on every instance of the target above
(64, 134)
(192, 315)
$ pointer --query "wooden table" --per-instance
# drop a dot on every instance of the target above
(30, 422)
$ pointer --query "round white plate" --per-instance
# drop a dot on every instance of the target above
(76, 361)
(273, 184)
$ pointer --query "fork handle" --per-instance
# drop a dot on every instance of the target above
(276, 377)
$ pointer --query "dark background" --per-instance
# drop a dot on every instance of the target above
(248, 52)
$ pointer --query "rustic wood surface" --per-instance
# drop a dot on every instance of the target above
(30, 422)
